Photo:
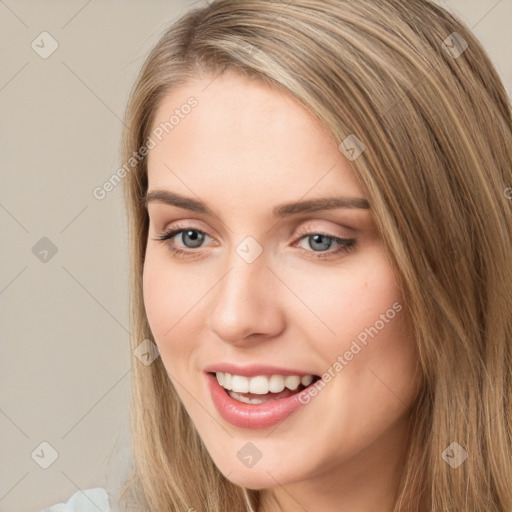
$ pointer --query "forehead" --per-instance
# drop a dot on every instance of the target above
(246, 141)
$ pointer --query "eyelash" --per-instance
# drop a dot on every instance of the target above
(346, 244)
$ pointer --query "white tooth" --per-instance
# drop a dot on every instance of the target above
(258, 385)
(292, 382)
(240, 384)
(307, 380)
(242, 398)
(227, 380)
(261, 384)
(276, 383)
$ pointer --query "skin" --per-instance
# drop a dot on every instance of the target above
(245, 148)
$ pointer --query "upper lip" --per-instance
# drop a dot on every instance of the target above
(252, 370)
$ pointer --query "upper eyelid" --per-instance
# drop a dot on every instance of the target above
(341, 221)
(305, 225)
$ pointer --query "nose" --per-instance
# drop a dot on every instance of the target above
(246, 303)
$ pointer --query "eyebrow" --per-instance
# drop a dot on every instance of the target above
(279, 211)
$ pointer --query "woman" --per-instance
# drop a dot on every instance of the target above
(319, 205)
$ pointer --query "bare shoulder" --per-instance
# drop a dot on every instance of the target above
(88, 500)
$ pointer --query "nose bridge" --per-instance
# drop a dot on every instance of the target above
(247, 263)
(245, 300)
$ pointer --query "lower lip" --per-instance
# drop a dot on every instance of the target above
(251, 415)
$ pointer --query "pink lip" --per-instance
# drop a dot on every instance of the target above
(253, 370)
(250, 415)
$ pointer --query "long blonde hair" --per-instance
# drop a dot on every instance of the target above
(413, 84)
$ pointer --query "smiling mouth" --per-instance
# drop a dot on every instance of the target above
(262, 388)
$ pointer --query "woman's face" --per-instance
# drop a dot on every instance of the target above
(264, 289)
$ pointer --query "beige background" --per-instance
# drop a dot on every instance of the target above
(65, 362)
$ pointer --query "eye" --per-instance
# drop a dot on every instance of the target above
(319, 243)
(191, 237)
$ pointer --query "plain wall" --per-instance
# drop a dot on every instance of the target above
(65, 361)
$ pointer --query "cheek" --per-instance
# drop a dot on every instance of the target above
(344, 300)
(378, 356)
(368, 346)
(169, 296)
(158, 303)
(372, 327)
